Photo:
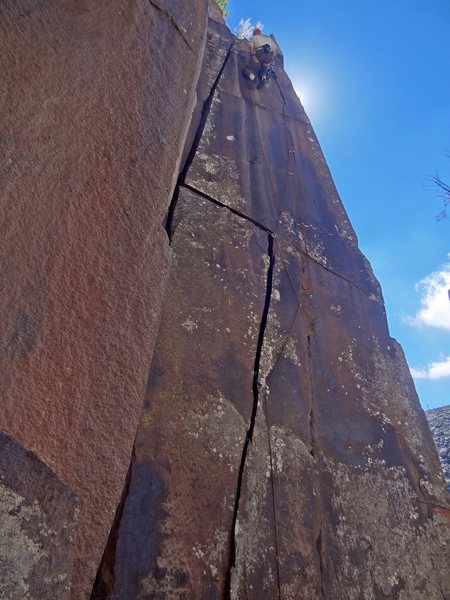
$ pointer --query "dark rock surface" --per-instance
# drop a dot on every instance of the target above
(439, 421)
(314, 477)
(38, 525)
(197, 409)
(94, 107)
(281, 451)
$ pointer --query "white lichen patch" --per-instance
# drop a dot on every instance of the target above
(189, 325)
(246, 238)
(347, 357)
(294, 232)
(226, 189)
(378, 537)
(278, 447)
(18, 552)
(288, 448)
(336, 308)
(317, 251)
(209, 440)
(212, 552)
(197, 245)
(389, 396)
(290, 351)
(216, 416)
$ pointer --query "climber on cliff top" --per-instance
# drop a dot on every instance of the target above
(262, 49)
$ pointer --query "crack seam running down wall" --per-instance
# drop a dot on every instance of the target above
(193, 151)
(249, 434)
(274, 235)
(312, 449)
(319, 552)
(110, 547)
(291, 152)
(106, 588)
(172, 21)
(291, 169)
(271, 237)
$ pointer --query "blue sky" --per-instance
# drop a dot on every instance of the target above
(374, 78)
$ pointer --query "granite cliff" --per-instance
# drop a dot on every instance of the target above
(200, 383)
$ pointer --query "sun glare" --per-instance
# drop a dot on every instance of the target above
(314, 98)
(309, 97)
(304, 94)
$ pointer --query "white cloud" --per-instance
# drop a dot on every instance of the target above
(434, 290)
(435, 370)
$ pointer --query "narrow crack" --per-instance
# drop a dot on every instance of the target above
(268, 230)
(312, 449)
(104, 585)
(172, 21)
(291, 152)
(282, 96)
(274, 507)
(231, 209)
(193, 151)
(319, 552)
(249, 435)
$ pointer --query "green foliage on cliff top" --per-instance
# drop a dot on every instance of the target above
(223, 5)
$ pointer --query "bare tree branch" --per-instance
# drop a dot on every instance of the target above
(443, 191)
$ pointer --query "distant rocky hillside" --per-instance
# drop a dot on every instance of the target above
(439, 420)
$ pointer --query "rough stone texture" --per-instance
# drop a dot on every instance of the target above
(38, 522)
(218, 43)
(318, 480)
(198, 405)
(94, 106)
(281, 450)
(439, 421)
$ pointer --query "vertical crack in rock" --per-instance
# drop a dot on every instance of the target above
(105, 580)
(312, 449)
(249, 435)
(319, 552)
(281, 93)
(291, 170)
(193, 151)
(104, 585)
(292, 167)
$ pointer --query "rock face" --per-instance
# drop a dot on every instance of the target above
(281, 451)
(91, 138)
(38, 523)
(439, 421)
(279, 447)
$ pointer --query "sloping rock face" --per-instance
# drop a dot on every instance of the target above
(94, 109)
(38, 524)
(439, 421)
(282, 451)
